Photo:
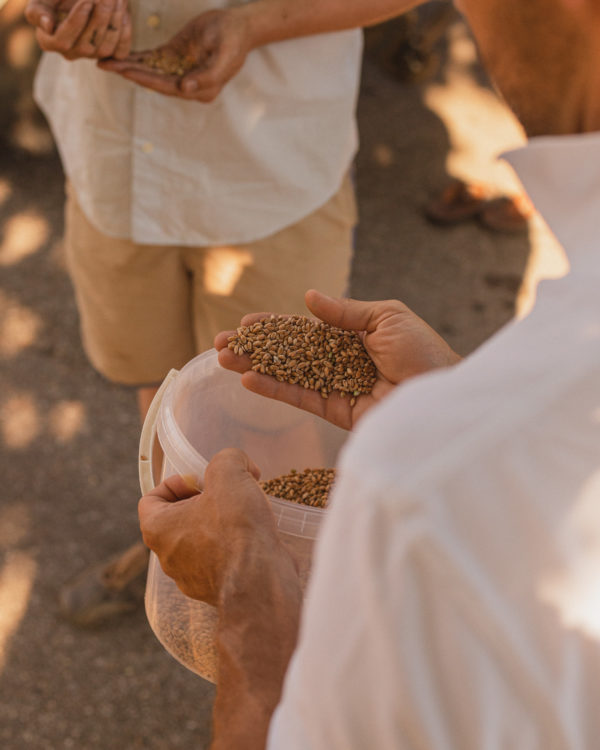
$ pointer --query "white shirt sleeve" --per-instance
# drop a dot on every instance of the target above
(406, 643)
(347, 685)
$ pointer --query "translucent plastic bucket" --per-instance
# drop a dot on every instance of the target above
(197, 412)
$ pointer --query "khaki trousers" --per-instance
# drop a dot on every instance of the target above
(145, 309)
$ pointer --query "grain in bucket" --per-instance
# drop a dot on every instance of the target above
(198, 411)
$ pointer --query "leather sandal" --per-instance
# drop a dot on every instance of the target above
(459, 202)
(106, 591)
(507, 214)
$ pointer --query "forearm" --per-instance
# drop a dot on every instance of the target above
(257, 631)
(277, 20)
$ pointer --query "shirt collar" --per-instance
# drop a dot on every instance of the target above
(561, 175)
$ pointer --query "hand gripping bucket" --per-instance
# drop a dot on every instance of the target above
(198, 411)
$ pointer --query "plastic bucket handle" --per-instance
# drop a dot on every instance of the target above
(148, 436)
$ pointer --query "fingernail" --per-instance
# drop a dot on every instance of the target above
(189, 86)
(46, 23)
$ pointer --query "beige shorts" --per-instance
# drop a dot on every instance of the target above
(145, 309)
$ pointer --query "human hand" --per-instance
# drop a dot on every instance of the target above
(81, 28)
(200, 537)
(400, 344)
(197, 62)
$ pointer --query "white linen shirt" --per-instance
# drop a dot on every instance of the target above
(271, 149)
(455, 597)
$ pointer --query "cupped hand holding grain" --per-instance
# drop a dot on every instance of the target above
(399, 343)
(197, 62)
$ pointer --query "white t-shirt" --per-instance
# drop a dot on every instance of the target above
(272, 148)
(455, 597)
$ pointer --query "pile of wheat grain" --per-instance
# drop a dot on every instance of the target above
(307, 352)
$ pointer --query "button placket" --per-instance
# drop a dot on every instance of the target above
(153, 21)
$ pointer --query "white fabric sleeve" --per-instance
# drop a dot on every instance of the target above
(406, 643)
(344, 688)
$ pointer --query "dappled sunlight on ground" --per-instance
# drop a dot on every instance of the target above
(17, 571)
(21, 47)
(17, 575)
(66, 420)
(23, 235)
(19, 52)
(19, 326)
(30, 135)
(20, 422)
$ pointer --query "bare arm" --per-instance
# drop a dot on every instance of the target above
(259, 613)
(276, 20)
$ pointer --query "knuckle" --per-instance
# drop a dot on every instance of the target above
(46, 46)
(62, 47)
(86, 49)
(229, 454)
(105, 49)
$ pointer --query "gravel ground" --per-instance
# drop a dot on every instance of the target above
(68, 459)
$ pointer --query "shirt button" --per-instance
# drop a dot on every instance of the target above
(153, 21)
(147, 147)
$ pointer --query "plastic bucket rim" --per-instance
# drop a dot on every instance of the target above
(185, 459)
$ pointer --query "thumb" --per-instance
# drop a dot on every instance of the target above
(41, 15)
(175, 488)
(350, 314)
(230, 467)
(201, 81)
(154, 504)
(216, 68)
